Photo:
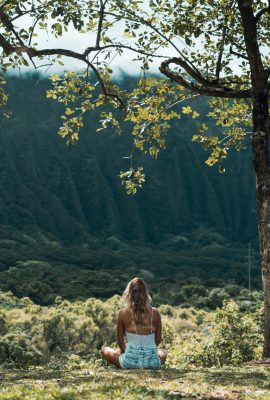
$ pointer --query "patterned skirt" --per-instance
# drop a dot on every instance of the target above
(139, 356)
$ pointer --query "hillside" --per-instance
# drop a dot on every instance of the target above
(74, 192)
(64, 214)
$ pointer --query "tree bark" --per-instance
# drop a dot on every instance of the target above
(260, 149)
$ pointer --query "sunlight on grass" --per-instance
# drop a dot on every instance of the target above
(102, 383)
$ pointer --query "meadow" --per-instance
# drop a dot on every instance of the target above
(53, 352)
(103, 383)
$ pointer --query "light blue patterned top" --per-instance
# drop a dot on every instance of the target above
(141, 340)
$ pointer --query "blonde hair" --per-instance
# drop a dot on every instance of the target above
(136, 297)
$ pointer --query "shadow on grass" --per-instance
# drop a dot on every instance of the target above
(109, 382)
(243, 375)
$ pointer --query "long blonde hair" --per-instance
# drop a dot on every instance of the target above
(137, 298)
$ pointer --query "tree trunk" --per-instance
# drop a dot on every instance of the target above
(260, 148)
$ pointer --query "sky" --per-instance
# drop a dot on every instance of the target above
(73, 40)
(78, 42)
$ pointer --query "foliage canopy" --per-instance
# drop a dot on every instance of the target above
(199, 45)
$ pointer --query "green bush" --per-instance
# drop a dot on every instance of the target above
(104, 315)
(166, 309)
(66, 332)
(216, 298)
(233, 338)
(72, 332)
(17, 350)
(168, 335)
(177, 298)
(3, 323)
(75, 362)
(9, 301)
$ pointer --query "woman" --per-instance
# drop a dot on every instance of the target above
(141, 324)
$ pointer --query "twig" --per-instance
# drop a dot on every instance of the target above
(100, 48)
(261, 13)
(221, 50)
(235, 53)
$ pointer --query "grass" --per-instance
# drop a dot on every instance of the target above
(104, 383)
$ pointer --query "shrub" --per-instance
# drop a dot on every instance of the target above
(16, 350)
(3, 323)
(184, 314)
(234, 338)
(177, 298)
(233, 290)
(97, 310)
(168, 335)
(64, 331)
(184, 325)
(193, 290)
(9, 301)
(103, 315)
(201, 317)
(166, 309)
(75, 362)
(216, 298)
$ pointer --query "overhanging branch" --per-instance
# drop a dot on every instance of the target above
(9, 49)
(201, 86)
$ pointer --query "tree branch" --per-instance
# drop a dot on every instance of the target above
(221, 49)
(205, 89)
(261, 13)
(196, 75)
(68, 53)
(9, 26)
(235, 53)
(133, 17)
(100, 21)
(122, 46)
(6, 46)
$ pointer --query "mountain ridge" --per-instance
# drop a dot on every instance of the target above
(74, 193)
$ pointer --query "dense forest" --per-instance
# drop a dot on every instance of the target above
(63, 211)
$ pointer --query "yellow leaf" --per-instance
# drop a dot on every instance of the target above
(186, 110)
(69, 111)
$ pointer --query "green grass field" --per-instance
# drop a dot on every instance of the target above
(104, 382)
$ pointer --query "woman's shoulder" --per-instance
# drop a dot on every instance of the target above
(155, 310)
(124, 311)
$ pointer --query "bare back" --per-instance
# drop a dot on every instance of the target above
(150, 316)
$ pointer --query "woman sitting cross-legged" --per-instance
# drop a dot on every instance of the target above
(141, 325)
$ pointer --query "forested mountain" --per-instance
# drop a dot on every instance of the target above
(68, 227)
(74, 193)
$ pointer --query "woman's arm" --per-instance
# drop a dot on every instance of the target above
(158, 335)
(120, 330)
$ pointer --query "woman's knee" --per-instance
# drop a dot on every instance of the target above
(163, 355)
(105, 351)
